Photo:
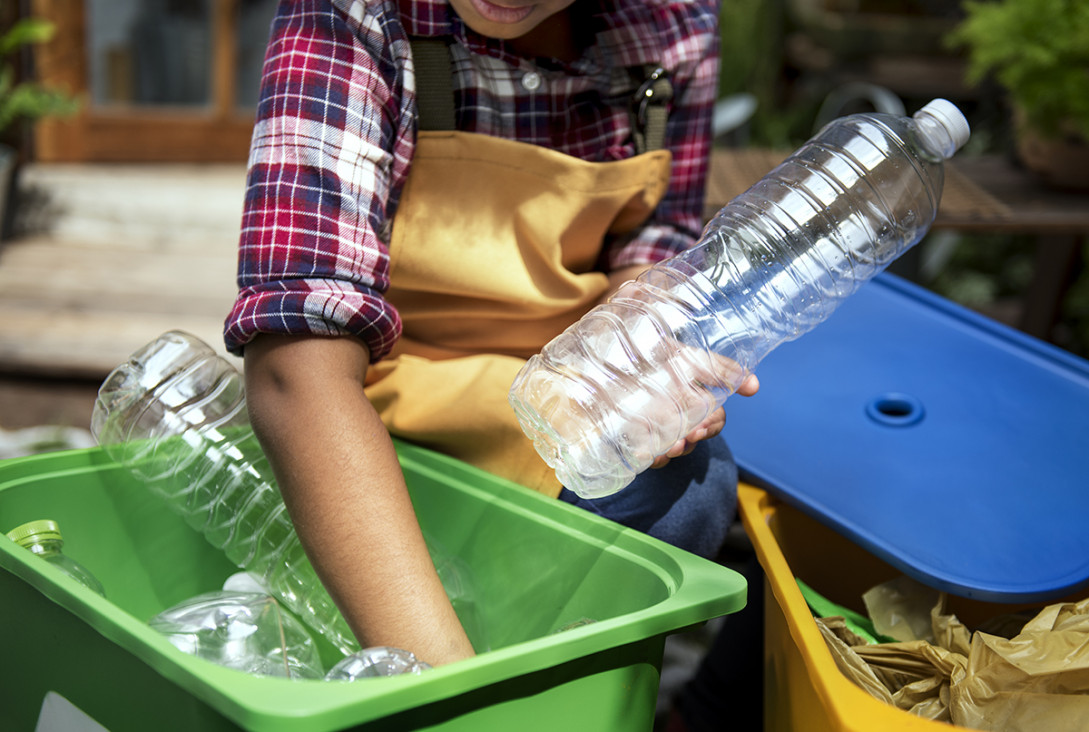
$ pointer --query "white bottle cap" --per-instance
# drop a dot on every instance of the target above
(951, 118)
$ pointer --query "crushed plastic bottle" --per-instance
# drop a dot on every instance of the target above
(175, 416)
(43, 538)
(245, 631)
(376, 662)
(603, 399)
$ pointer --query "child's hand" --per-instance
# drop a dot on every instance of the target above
(709, 427)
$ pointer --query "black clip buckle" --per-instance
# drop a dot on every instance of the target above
(645, 96)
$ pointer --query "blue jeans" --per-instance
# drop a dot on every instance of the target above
(689, 503)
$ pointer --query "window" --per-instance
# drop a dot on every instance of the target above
(160, 80)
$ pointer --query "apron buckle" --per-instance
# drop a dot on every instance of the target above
(656, 90)
(649, 108)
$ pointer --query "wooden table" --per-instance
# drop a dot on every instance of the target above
(985, 194)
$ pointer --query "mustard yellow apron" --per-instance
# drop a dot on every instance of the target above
(491, 256)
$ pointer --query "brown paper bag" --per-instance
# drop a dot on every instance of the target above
(1036, 680)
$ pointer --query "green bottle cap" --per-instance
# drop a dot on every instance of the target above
(35, 531)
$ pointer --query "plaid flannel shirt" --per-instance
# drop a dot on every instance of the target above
(335, 133)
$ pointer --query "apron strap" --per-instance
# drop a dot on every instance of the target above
(434, 84)
(650, 109)
(435, 94)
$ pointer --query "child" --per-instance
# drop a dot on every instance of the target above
(421, 217)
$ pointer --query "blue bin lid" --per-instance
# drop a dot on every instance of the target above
(949, 445)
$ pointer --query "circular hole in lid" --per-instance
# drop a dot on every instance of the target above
(895, 410)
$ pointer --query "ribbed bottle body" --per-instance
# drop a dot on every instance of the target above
(638, 373)
(622, 383)
(175, 415)
(816, 228)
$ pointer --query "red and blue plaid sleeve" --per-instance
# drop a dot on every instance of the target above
(328, 143)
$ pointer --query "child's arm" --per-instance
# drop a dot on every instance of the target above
(339, 476)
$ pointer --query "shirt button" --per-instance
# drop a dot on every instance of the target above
(531, 81)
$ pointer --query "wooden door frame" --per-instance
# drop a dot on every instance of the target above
(220, 132)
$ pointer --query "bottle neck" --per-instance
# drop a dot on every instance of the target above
(44, 547)
(934, 135)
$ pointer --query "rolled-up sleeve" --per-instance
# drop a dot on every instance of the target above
(323, 159)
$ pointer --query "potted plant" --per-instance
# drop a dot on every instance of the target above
(22, 101)
(1038, 51)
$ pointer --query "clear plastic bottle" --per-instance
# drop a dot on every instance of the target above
(246, 631)
(44, 539)
(639, 372)
(175, 415)
(376, 662)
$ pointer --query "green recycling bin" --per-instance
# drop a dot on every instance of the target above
(539, 566)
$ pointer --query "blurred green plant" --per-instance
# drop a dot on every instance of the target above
(749, 35)
(988, 273)
(1038, 51)
(752, 36)
(27, 100)
(983, 269)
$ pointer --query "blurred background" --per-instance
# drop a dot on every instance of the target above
(805, 61)
(123, 206)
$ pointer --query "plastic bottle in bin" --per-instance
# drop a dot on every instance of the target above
(175, 415)
(43, 538)
(639, 372)
(376, 662)
(246, 631)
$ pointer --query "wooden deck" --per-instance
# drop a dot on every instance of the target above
(982, 194)
(117, 256)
